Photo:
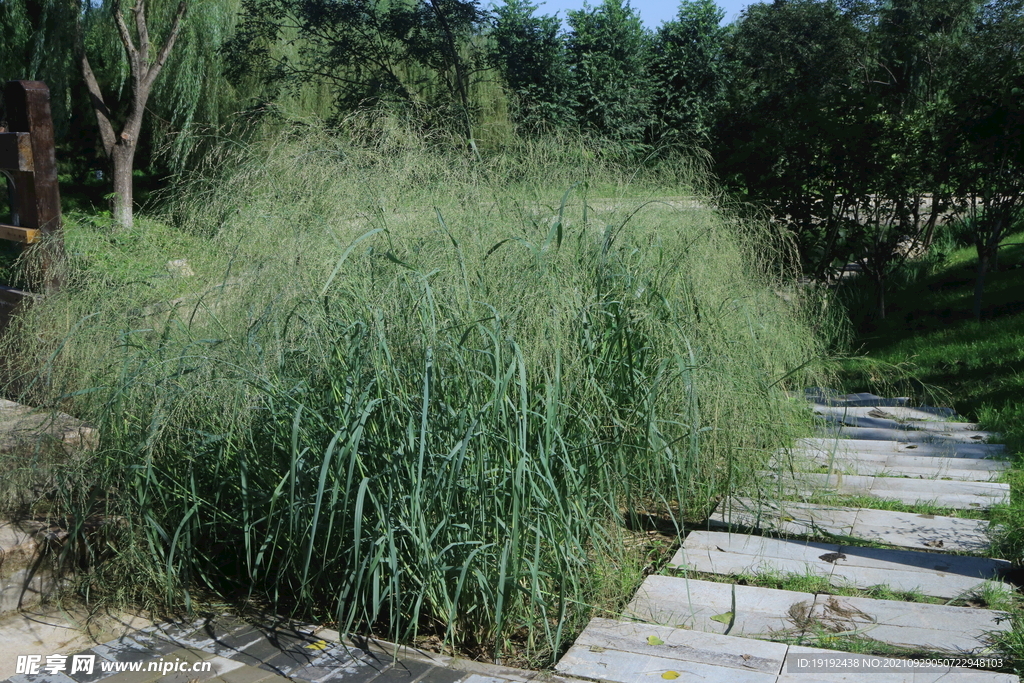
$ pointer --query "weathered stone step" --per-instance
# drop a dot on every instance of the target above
(626, 652)
(904, 459)
(877, 418)
(959, 495)
(947, 450)
(935, 574)
(904, 529)
(610, 650)
(826, 397)
(890, 465)
(908, 435)
(770, 614)
(25, 577)
(885, 423)
(26, 429)
(914, 416)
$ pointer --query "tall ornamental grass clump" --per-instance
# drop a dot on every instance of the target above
(413, 392)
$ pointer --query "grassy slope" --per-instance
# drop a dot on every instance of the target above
(981, 364)
(931, 336)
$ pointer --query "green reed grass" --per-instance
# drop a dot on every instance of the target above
(415, 393)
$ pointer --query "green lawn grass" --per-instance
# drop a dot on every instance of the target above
(930, 329)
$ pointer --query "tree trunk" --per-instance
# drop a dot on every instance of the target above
(124, 163)
(929, 234)
(120, 148)
(880, 297)
(984, 260)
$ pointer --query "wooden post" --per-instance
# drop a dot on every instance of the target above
(27, 157)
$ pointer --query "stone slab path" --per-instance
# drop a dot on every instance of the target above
(229, 650)
(681, 626)
(892, 465)
(771, 614)
(935, 574)
(903, 529)
(943, 449)
(959, 495)
(626, 652)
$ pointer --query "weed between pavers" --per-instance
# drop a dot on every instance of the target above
(807, 583)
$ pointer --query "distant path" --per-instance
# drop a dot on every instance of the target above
(682, 626)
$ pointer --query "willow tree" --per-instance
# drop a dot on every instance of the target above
(146, 59)
(365, 52)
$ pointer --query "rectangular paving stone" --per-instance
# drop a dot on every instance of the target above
(904, 529)
(954, 450)
(875, 419)
(838, 483)
(949, 450)
(886, 464)
(629, 667)
(838, 445)
(938, 586)
(798, 519)
(725, 553)
(688, 603)
(883, 434)
(934, 574)
(908, 459)
(936, 628)
(905, 414)
(925, 532)
(861, 399)
(714, 649)
(961, 565)
(961, 495)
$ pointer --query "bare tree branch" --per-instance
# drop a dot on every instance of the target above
(143, 31)
(126, 36)
(161, 58)
(103, 115)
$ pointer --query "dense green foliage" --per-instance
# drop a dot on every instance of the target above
(528, 53)
(688, 67)
(862, 126)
